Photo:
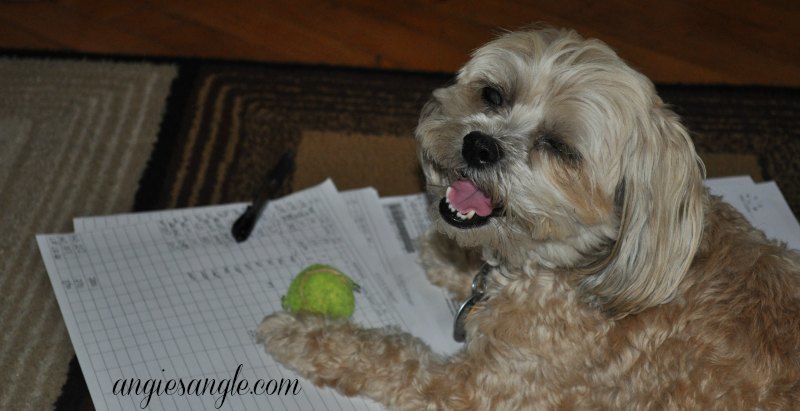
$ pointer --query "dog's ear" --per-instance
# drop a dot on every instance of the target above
(660, 207)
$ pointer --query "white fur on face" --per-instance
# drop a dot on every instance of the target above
(582, 136)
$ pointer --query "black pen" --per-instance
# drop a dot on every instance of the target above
(244, 225)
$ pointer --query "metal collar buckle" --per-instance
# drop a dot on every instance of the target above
(478, 292)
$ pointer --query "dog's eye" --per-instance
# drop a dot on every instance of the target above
(492, 97)
(559, 147)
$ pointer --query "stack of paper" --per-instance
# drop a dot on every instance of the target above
(162, 307)
(168, 297)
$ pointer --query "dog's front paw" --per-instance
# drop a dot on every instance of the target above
(286, 337)
(381, 363)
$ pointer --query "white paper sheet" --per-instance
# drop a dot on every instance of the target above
(178, 294)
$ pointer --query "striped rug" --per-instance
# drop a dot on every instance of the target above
(357, 125)
(74, 139)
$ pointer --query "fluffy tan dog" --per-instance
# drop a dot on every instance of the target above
(613, 280)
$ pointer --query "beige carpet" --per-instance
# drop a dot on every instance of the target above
(386, 162)
(74, 139)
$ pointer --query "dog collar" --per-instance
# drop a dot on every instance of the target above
(478, 292)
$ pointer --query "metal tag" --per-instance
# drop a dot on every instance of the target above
(459, 333)
(478, 289)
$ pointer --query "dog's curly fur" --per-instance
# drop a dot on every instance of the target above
(618, 282)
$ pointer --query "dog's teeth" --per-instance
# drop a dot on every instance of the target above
(447, 199)
(467, 216)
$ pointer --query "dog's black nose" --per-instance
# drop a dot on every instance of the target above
(480, 150)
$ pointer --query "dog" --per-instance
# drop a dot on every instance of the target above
(607, 276)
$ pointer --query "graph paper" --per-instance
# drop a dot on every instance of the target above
(174, 297)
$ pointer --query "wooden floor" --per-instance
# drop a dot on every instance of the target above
(708, 41)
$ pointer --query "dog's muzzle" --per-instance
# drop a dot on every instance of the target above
(465, 205)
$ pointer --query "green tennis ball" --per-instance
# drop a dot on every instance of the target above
(321, 289)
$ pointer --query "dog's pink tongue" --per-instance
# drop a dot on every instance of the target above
(465, 196)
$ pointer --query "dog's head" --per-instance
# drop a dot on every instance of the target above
(549, 151)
